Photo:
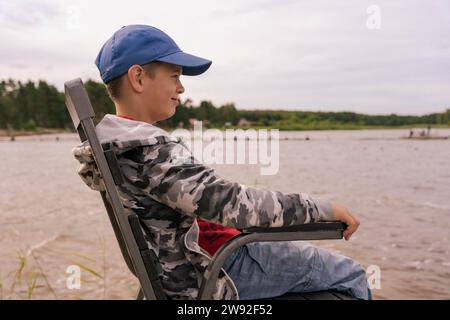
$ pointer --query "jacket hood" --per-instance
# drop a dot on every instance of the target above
(122, 135)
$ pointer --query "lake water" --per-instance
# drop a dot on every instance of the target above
(399, 189)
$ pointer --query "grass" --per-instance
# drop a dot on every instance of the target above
(44, 276)
(30, 277)
(32, 284)
(1, 286)
(18, 273)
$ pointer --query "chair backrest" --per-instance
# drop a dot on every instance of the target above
(139, 258)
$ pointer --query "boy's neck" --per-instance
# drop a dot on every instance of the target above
(125, 117)
(132, 114)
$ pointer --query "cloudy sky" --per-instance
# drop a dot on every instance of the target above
(375, 57)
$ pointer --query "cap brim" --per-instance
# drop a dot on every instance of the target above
(192, 65)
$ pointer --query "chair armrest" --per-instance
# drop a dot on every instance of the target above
(336, 228)
(309, 231)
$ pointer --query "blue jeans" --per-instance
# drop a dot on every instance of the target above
(270, 269)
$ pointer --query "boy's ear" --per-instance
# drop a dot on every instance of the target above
(135, 76)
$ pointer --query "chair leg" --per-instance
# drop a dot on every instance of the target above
(140, 295)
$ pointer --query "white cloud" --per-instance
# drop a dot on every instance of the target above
(270, 54)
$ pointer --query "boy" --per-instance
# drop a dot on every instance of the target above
(187, 210)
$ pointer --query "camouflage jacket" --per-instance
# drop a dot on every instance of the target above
(168, 189)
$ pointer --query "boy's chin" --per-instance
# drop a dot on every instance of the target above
(168, 115)
(172, 112)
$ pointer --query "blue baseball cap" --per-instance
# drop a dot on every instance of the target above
(141, 44)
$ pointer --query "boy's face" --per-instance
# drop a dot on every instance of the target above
(161, 94)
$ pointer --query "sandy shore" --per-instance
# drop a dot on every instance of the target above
(39, 131)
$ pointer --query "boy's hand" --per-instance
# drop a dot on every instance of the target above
(342, 214)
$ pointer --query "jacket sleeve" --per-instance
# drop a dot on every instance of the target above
(172, 176)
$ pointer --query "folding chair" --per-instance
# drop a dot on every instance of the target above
(141, 260)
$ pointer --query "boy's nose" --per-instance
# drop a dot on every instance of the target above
(180, 89)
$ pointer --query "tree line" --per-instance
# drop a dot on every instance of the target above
(32, 105)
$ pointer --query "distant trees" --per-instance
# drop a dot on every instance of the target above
(29, 105)
(100, 100)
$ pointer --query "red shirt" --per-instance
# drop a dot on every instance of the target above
(211, 235)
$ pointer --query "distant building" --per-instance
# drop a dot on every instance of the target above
(243, 122)
(192, 121)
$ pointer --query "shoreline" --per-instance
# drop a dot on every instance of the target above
(45, 131)
(38, 132)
